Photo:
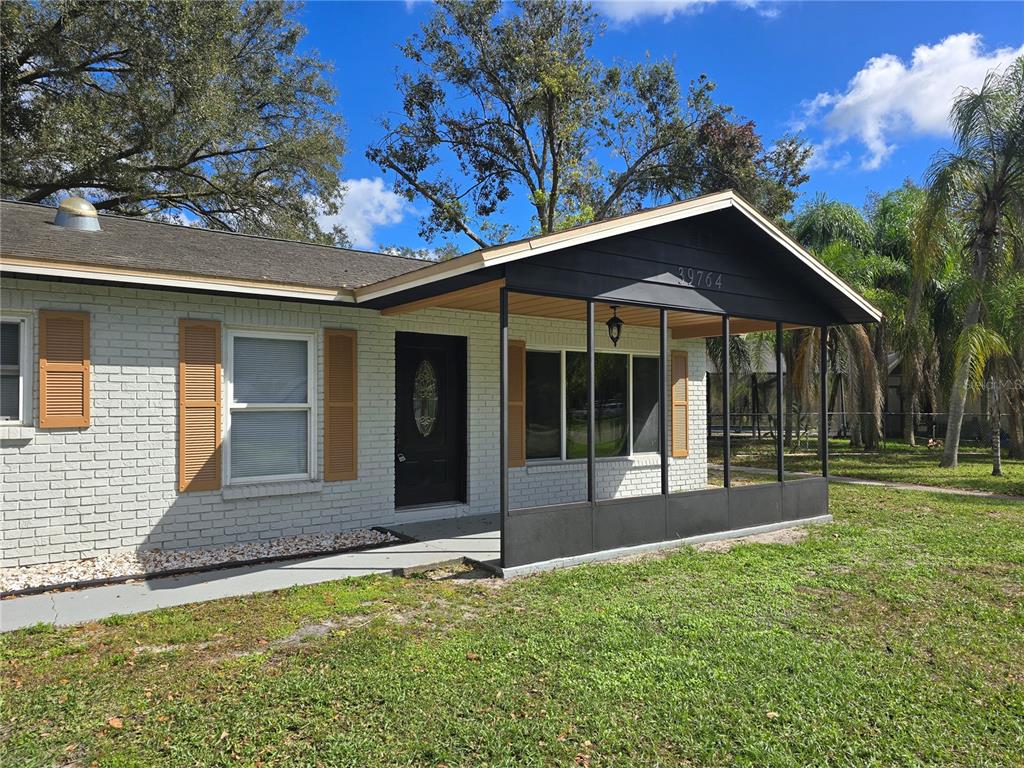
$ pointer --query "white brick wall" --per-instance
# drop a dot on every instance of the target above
(73, 493)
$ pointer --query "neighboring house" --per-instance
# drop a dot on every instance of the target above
(174, 387)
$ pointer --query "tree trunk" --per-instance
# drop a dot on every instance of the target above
(833, 394)
(855, 441)
(908, 398)
(875, 396)
(756, 428)
(958, 396)
(994, 419)
(790, 403)
(958, 393)
(983, 247)
(1016, 426)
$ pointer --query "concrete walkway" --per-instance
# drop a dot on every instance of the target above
(440, 541)
(882, 483)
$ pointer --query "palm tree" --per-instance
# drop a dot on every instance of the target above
(893, 217)
(840, 236)
(982, 185)
(1014, 335)
(1002, 352)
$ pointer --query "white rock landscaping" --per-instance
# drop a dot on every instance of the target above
(155, 561)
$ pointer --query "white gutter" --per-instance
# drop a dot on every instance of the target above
(144, 279)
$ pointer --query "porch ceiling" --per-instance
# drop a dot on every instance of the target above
(485, 297)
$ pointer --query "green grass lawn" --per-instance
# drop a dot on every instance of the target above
(898, 462)
(892, 637)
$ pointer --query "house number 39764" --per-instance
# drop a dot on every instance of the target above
(700, 278)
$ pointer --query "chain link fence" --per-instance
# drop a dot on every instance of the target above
(975, 429)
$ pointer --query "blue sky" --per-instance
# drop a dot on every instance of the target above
(869, 84)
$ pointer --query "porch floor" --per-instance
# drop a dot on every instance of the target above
(440, 541)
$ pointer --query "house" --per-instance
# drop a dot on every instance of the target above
(174, 387)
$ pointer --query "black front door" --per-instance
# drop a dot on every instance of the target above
(430, 419)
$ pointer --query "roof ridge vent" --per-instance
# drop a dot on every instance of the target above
(77, 213)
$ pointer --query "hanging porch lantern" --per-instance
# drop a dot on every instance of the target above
(614, 327)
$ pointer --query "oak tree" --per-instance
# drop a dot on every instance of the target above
(506, 100)
(200, 109)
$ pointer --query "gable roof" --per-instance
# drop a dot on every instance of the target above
(131, 245)
(651, 217)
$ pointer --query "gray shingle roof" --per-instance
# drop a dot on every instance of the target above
(27, 231)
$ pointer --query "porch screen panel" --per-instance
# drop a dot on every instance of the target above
(63, 369)
(516, 403)
(611, 377)
(680, 404)
(340, 409)
(199, 405)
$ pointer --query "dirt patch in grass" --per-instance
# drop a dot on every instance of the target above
(784, 536)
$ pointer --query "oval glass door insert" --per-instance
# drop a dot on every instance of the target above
(425, 398)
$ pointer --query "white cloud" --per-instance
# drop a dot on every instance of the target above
(888, 98)
(625, 11)
(822, 157)
(631, 10)
(367, 204)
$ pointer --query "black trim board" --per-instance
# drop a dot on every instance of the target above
(567, 530)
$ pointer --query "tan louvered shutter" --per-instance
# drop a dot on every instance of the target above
(341, 455)
(198, 405)
(516, 403)
(63, 369)
(680, 404)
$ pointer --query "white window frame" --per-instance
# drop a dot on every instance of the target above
(25, 344)
(562, 351)
(230, 406)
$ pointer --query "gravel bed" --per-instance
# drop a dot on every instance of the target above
(154, 561)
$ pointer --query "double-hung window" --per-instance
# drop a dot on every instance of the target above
(625, 400)
(15, 373)
(270, 397)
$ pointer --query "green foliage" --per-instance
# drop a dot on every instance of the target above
(823, 222)
(163, 108)
(515, 97)
(974, 347)
(442, 253)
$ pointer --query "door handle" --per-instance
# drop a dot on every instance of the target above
(401, 457)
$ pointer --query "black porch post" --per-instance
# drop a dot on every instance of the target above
(503, 413)
(591, 416)
(726, 442)
(823, 386)
(662, 404)
(779, 414)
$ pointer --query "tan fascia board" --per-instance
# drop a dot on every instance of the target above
(141, 278)
(501, 254)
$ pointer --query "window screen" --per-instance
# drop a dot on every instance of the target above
(10, 371)
(270, 407)
(645, 405)
(543, 405)
(270, 370)
(265, 443)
